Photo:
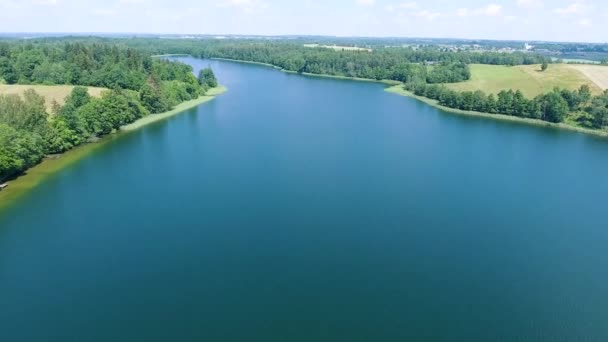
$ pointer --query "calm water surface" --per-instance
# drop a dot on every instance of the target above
(305, 209)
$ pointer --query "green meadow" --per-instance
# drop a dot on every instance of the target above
(527, 78)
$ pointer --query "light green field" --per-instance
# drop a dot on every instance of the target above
(56, 92)
(338, 47)
(527, 78)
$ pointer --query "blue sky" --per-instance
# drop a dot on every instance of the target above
(563, 20)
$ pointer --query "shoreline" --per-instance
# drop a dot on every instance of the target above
(171, 55)
(34, 176)
(337, 77)
(396, 88)
(211, 94)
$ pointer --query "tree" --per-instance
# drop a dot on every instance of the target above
(78, 98)
(544, 66)
(584, 93)
(553, 107)
(152, 98)
(206, 78)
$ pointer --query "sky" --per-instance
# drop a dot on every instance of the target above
(554, 20)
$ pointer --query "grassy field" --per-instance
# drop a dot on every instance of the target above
(338, 47)
(527, 78)
(50, 93)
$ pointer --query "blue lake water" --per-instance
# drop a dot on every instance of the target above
(294, 208)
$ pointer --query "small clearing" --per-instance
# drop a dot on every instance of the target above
(50, 93)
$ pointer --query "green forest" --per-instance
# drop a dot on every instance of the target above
(138, 85)
(586, 110)
(431, 64)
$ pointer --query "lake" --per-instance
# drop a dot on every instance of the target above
(296, 208)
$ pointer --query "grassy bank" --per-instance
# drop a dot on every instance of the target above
(37, 174)
(211, 94)
(399, 90)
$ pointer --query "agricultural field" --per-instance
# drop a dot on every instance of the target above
(596, 73)
(529, 79)
(57, 92)
(338, 47)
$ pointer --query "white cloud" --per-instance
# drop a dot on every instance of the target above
(491, 10)
(428, 15)
(402, 6)
(366, 2)
(530, 4)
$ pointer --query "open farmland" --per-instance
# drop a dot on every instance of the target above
(596, 73)
(527, 78)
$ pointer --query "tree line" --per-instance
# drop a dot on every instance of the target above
(587, 110)
(433, 64)
(137, 86)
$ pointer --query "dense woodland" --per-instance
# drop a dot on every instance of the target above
(430, 64)
(138, 85)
